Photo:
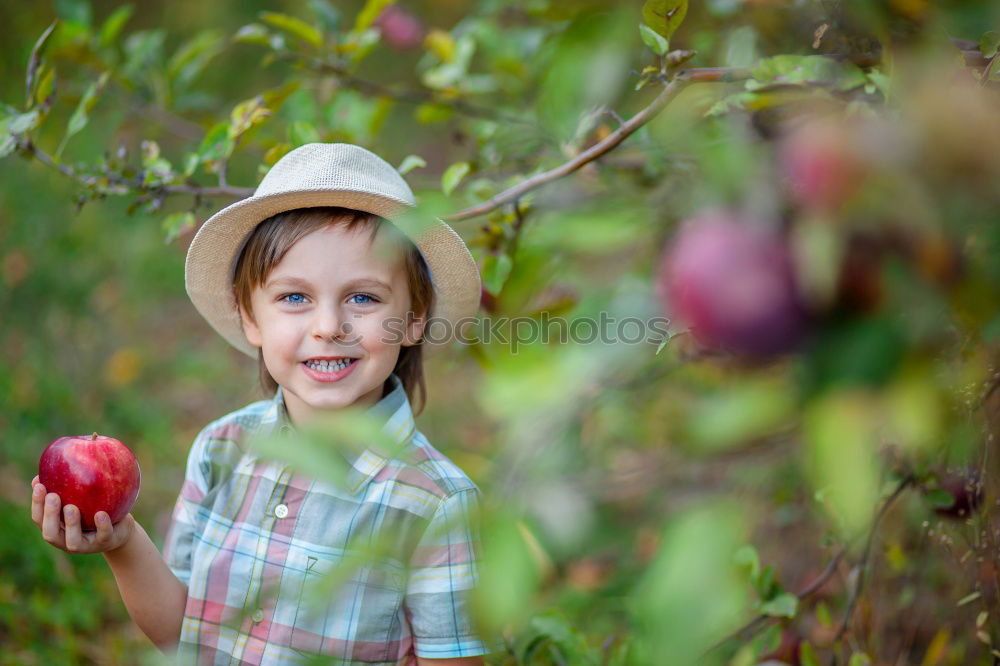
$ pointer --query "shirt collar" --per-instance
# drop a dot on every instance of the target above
(393, 410)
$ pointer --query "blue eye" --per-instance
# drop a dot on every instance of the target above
(294, 298)
(371, 299)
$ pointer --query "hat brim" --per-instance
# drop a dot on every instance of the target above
(211, 258)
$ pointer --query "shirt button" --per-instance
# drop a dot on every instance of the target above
(281, 511)
(258, 615)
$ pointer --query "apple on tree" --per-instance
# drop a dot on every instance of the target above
(94, 473)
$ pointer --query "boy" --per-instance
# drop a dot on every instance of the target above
(309, 276)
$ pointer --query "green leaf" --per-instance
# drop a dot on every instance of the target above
(113, 25)
(859, 659)
(82, 113)
(989, 43)
(807, 655)
(746, 556)
(75, 11)
(21, 122)
(429, 113)
(7, 145)
(654, 40)
(177, 223)
(246, 115)
(783, 605)
(969, 598)
(193, 56)
(300, 132)
(411, 162)
(216, 143)
(939, 498)
(326, 12)
(253, 33)
(35, 61)
(46, 84)
(664, 16)
(369, 13)
(496, 270)
(453, 175)
(294, 26)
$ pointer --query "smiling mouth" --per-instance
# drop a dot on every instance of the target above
(330, 364)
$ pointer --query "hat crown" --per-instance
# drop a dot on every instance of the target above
(334, 166)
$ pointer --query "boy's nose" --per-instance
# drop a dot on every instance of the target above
(328, 324)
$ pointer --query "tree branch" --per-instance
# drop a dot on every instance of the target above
(669, 92)
(137, 184)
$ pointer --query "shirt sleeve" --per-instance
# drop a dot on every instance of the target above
(443, 572)
(179, 543)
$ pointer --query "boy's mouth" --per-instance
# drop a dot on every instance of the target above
(329, 363)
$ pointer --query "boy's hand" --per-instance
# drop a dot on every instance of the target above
(45, 512)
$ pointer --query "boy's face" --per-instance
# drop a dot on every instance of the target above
(322, 303)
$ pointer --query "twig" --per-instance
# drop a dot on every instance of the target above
(759, 623)
(84, 179)
(865, 556)
(669, 92)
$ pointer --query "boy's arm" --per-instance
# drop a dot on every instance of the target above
(153, 595)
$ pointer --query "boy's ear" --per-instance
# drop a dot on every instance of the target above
(250, 328)
(414, 329)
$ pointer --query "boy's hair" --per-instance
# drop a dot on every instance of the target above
(271, 239)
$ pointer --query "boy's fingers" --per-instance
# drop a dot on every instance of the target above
(34, 481)
(50, 519)
(37, 504)
(104, 529)
(74, 536)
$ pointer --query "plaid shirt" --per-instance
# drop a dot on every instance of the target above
(252, 541)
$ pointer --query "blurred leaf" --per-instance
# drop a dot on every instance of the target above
(21, 122)
(177, 223)
(783, 605)
(691, 594)
(734, 415)
(75, 11)
(799, 70)
(552, 626)
(113, 25)
(46, 84)
(216, 144)
(300, 132)
(453, 175)
(143, 50)
(939, 498)
(656, 42)
(326, 12)
(294, 26)
(496, 270)
(807, 655)
(430, 112)
(35, 61)
(369, 13)
(859, 659)
(253, 33)
(508, 576)
(193, 56)
(82, 113)
(989, 43)
(746, 556)
(409, 163)
(664, 16)
(246, 115)
(441, 44)
(839, 432)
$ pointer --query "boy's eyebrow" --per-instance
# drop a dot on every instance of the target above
(298, 282)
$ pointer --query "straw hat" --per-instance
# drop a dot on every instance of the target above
(330, 174)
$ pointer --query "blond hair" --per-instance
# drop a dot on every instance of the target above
(271, 239)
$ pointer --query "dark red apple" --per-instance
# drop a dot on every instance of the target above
(94, 473)
(821, 165)
(732, 283)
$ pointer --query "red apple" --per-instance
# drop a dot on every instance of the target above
(400, 29)
(733, 284)
(92, 472)
(821, 164)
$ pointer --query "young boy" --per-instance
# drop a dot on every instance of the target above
(319, 277)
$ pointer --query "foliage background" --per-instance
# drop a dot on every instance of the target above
(644, 503)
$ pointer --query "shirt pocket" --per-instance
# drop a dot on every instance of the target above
(351, 612)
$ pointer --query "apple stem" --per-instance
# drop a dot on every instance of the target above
(93, 437)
